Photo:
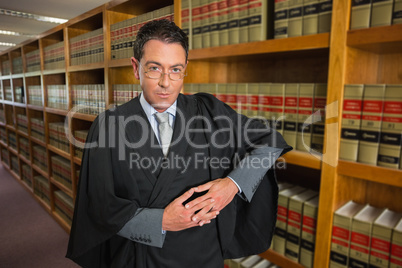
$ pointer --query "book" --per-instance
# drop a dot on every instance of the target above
(351, 122)
(253, 99)
(397, 12)
(311, 9)
(214, 23)
(381, 238)
(396, 247)
(325, 16)
(205, 26)
(263, 101)
(381, 12)
(308, 234)
(244, 21)
(318, 125)
(373, 104)
(341, 230)
(250, 261)
(389, 151)
(280, 233)
(196, 18)
(360, 242)
(294, 224)
(304, 116)
(235, 263)
(281, 19)
(290, 112)
(241, 98)
(223, 25)
(360, 14)
(233, 21)
(261, 25)
(263, 264)
(231, 95)
(295, 22)
(276, 106)
(186, 21)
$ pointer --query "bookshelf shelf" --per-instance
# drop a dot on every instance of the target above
(27, 161)
(384, 39)
(40, 171)
(39, 142)
(77, 160)
(86, 117)
(59, 71)
(56, 111)
(120, 63)
(24, 134)
(42, 203)
(294, 44)
(22, 105)
(31, 74)
(86, 67)
(3, 144)
(279, 259)
(378, 174)
(58, 151)
(60, 220)
(35, 107)
(302, 159)
(62, 187)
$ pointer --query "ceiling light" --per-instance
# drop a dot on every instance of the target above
(31, 16)
(15, 33)
(7, 44)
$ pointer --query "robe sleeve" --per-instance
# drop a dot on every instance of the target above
(99, 213)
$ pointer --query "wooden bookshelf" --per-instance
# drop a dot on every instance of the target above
(344, 56)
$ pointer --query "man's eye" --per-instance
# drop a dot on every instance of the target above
(176, 70)
(154, 69)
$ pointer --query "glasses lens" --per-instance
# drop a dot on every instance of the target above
(154, 74)
(175, 76)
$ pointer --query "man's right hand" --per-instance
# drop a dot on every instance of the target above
(176, 217)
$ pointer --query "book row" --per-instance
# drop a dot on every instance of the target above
(295, 230)
(12, 140)
(123, 34)
(38, 128)
(61, 170)
(4, 156)
(87, 48)
(122, 93)
(17, 65)
(3, 135)
(22, 123)
(365, 14)
(5, 67)
(39, 156)
(57, 97)
(15, 165)
(35, 95)
(372, 125)
(57, 136)
(26, 175)
(41, 188)
(2, 116)
(253, 261)
(33, 60)
(80, 137)
(24, 147)
(64, 206)
(54, 56)
(366, 236)
(89, 99)
(296, 110)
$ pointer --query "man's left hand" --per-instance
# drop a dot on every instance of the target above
(221, 190)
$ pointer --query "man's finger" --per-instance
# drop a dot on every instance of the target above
(185, 196)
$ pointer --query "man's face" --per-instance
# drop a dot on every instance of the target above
(166, 58)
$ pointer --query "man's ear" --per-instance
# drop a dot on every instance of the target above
(136, 67)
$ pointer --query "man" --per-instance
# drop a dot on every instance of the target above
(171, 192)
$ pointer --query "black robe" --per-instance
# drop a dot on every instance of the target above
(112, 186)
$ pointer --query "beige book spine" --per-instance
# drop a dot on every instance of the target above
(295, 26)
(304, 127)
(233, 21)
(214, 23)
(391, 128)
(244, 21)
(291, 107)
(196, 16)
(223, 27)
(324, 16)
(318, 125)
(264, 101)
(276, 106)
(310, 16)
(397, 12)
(351, 122)
(308, 234)
(381, 13)
(360, 14)
(373, 104)
(281, 19)
(396, 247)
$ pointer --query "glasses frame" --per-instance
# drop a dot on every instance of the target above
(184, 74)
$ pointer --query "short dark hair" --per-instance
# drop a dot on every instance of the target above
(162, 30)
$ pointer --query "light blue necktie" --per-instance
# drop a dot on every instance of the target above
(165, 131)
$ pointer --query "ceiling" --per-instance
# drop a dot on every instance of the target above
(30, 28)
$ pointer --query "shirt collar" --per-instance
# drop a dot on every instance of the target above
(150, 111)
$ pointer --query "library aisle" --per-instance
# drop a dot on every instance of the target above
(29, 237)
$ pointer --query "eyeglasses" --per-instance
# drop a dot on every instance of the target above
(157, 74)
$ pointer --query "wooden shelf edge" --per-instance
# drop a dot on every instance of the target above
(120, 63)
(378, 39)
(31, 74)
(77, 160)
(39, 142)
(279, 259)
(62, 187)
(308, 42)
(57, 71)
(61, 221)
(302, 159)
(86, 67)
(40, 171)
(85, 117)
(58, 151)
(35, 107)
(56, 111)
(377, 174)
